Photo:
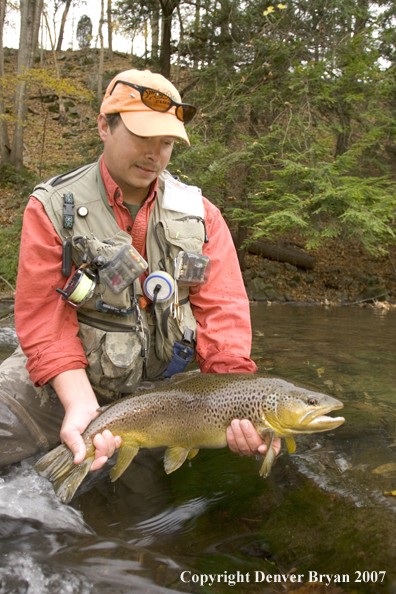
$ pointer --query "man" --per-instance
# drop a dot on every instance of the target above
(77, 358)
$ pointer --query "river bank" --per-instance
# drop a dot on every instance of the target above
(344, 273)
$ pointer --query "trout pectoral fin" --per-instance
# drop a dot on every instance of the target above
(126, 454)
(174, 458)
(291, 444)
(269, 457)
(192, 453)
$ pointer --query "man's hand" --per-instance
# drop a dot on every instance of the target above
(80, 404)
(243, 439)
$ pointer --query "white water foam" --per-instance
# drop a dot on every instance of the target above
(26, 495)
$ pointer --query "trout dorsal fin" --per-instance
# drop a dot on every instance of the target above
(126, 454)
(174, 458)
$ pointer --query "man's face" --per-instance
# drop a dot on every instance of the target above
(133, 162)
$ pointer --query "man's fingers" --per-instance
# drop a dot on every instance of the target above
(75, 442)
(98, 463)
(105, 445)
(276, 444)
(243, 438)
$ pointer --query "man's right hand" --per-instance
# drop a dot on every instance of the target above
(81, 407)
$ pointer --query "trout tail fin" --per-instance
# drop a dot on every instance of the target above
(58, 466)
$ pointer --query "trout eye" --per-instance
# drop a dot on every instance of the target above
(312, 402)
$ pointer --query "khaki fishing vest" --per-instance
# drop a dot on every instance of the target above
(112, 344)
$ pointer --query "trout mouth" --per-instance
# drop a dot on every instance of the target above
(317, 420)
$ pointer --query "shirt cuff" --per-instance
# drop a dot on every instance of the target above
(55, 359)
(227, 363)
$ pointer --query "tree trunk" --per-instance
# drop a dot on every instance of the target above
(239, 238)
(197, 26)
(181, 39)
(154, 17)
(30, 23)
(4, 139)
(62, 109)
(62, 27)
(101, 54)
(168, 6)
(109, 29)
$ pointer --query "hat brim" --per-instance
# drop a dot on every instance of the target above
(154, 123)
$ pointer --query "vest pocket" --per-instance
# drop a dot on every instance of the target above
(114, 361)
(187, 235)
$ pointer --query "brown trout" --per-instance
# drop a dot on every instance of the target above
(192, 413)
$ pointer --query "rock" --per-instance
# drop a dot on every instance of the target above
(248, 275)
(272, 269)
(293, 284)
(74, 112)
(259, 290)
(310, 278)
(49, 98)
(371, 294)
(70, 134)
(290, 267)
(87, 60)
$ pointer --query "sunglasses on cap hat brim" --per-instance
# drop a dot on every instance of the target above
(158, 101)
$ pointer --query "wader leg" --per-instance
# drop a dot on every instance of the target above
(30, 417)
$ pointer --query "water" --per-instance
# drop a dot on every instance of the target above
(322, 510)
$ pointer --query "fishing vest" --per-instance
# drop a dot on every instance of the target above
(116, 346)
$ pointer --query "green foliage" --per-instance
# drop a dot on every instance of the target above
(84, 32)
(9, 253)
(19, 185)
(297, 121)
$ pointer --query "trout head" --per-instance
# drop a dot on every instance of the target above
(290, 410)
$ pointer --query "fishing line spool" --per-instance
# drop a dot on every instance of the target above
(79, 288)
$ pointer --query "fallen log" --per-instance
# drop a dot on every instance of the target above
(282, 251)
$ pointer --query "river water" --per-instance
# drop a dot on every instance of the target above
(326, 510)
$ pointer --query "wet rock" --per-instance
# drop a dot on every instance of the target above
(371, 294)
(259, 290)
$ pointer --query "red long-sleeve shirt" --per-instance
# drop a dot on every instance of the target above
(47, 327)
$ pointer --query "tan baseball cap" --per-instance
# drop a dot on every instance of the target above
(138, 117)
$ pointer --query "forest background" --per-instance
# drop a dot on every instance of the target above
(294, 138)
